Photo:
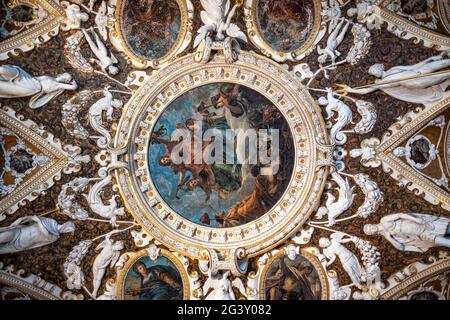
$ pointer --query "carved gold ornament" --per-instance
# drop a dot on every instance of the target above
(413, 275)
(60, 159)
(406, 29)
(444, 13)
(39, 33)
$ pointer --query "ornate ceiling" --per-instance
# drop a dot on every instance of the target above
(346, 197)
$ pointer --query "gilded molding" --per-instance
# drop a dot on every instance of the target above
(412, 276)
(32, 285)
(407, 30)
(180, 262)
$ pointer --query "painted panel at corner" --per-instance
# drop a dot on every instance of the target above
(151, 28)
(286, 25)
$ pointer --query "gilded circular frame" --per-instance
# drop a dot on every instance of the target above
(117, 36)
(444, 13)
(143, 253)
(308, 256)
(302, 194)
(255, 36)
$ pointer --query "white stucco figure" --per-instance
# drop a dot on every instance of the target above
(107, 105)
(334, 40)
(221, 285)
(153, 252)
(413, 83)
(368, 114)
(31, 232)
(292, 252)
(333, 248)
(413, 231)
(105, 60)
(106, 258)
(333, 13)
(16, 83)
(365, 13)
(75, 276)
(373, 197)
(91, 4)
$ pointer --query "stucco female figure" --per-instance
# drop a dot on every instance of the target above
(16, 83)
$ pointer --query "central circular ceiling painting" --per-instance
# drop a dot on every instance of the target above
(223, 156)
(235, 129)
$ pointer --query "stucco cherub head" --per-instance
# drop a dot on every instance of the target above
(371, 229)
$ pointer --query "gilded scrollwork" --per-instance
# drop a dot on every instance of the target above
(59, 159)
(379, 12)
(50, 16)
(33, 286)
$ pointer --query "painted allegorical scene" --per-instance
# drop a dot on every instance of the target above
(292, 277)
(414, 7)
(286, 25)
(153, 280)
(222, 194)
(151, 27)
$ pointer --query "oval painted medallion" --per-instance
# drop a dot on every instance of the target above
(224, 171)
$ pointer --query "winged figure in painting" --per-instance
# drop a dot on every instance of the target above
(216, 17)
